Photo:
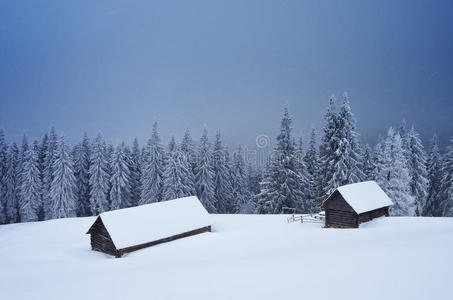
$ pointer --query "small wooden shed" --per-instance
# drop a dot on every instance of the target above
(352, 204)
(125, 230)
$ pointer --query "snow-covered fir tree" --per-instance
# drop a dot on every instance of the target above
(30, 188)
(417, 170)
(153, 169)
(178, 176)
(368, 166)
(434, 169)
(204, 178)
(446, 194)
(265, 198)
(242, 200)
(284, 184)
(221, 180)
(345, 159)
(63, 188)
(254, 177)
(188, 149)
(108, 153)
(12, 184)
(305, 178)
(99, 179)
(81, 158)
(394, 177)
(43, 148)
(327, 150)
(3, 163)
(311, 160)
(120, 193)
(135, 172)
(47, 177)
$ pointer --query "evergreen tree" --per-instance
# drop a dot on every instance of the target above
(43, 148)
(47, 176)
(311, 160)
(446, 195)
(417, 171)
(434, 169)
(153, 169)
(304, 177)
(3, 163)
(242, 198)
(82, 174)
(254, 178)
(368, 164)
(204, 184)
(345, 159)
(98, 177)
(327, 149)
(188, 150)
(264, 199)
(178, 177)
(120, 193)
(135, 172)
(394, 177)
(108, 153)
(30, 190)
(12, 182)
(63, 188)
(284, 185)
(222, 184)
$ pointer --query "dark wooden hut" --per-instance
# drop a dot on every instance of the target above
(352, 204)
(125, 230)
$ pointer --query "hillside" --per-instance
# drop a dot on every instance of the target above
(246, 257)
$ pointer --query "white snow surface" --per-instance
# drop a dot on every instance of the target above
(246, 257)
(146, 223)
(364, 196)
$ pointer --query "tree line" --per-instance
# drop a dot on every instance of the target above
(48, 179)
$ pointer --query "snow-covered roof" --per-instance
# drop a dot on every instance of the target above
(146, 223)
(364, 196)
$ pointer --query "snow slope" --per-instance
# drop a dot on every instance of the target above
(246, 257)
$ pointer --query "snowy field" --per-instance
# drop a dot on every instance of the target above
(246, 257)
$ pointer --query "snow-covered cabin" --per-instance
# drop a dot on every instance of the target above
(121, 231)
(352, 204)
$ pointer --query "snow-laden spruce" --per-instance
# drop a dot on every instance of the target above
(282, 183)
(417, 170)
(204, 175)
(221, 180)
(434, 168)
(242, 200)
(81, 156)
(393, 174)
(49, 159)
(120, 194)
(135, 173)
(153, 170)
(99, 180)
(3, 162)
(447, 182)
(178, 176)
(368, 166)
(30, 188)
(311, 160)
(327, 149)
(63, 188)
(12, 184)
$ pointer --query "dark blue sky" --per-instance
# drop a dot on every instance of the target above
(117, 66)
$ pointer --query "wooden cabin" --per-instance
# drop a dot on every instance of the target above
(125, 230)
(352, 204)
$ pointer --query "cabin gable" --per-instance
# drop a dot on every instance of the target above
(100, 238)
(337, 202)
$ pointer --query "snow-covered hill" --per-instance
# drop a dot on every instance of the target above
(246, 257)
